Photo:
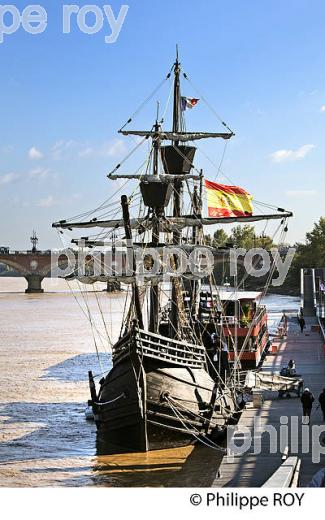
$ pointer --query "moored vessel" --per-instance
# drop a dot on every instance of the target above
(164, 389)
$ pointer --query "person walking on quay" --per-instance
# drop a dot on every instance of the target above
(307, 400)
(302, 324)
(215, 356)
(291, 367)
(321, 401)
(285, 324)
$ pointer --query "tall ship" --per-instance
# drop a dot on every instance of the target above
(175, 368)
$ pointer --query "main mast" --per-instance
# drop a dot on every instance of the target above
(177, 197)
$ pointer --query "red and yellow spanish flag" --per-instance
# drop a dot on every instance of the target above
(228, 201)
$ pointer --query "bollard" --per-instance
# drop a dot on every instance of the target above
(257, 398)
(274, 348)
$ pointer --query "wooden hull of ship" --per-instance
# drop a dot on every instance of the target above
(133, 414)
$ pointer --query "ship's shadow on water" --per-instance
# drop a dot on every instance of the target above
(75, 369)
(45, 430)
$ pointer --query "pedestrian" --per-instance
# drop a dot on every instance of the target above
(291, 367)
(285, 323)
(215, 360)
(307, 400)
(213, 355)
(318, 479)
(321, 401)
(225, 369)
(302, 324)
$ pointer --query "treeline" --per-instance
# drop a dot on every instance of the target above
(311, 253)
(240, 236)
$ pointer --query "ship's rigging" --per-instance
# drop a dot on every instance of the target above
(164, 209)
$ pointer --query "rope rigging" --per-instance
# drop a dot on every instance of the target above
(149, 295)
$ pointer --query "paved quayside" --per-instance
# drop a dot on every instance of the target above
(252, 470)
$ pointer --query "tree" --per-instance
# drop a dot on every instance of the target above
(220, 238)
(312, 253)
(243, 236)
(264, 241)
(309, 254)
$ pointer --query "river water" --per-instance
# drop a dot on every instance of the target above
(47, 346)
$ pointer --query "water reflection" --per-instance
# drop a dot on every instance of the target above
(193, 465)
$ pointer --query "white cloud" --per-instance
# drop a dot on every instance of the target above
(61, 148)
(8, 178)
(48, 202)
(114, 148)
(322, 108)
(307, 92)
(86, 152)
(68, 149)
(301, 193)
(39, 173)
(35, 154)
(292, 155)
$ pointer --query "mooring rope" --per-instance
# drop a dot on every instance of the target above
(197, 437)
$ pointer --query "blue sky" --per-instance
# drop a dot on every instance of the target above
(63, 97)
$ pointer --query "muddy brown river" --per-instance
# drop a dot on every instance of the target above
(46, 349)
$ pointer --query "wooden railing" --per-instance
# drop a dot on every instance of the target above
(170, 350)
(148, 344)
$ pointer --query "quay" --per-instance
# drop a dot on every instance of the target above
(252, 469)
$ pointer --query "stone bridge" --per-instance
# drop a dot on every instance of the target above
(33, 265)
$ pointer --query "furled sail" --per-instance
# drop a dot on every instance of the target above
(136, 223)
(171, 223)
(156, 278)
(178, 136)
